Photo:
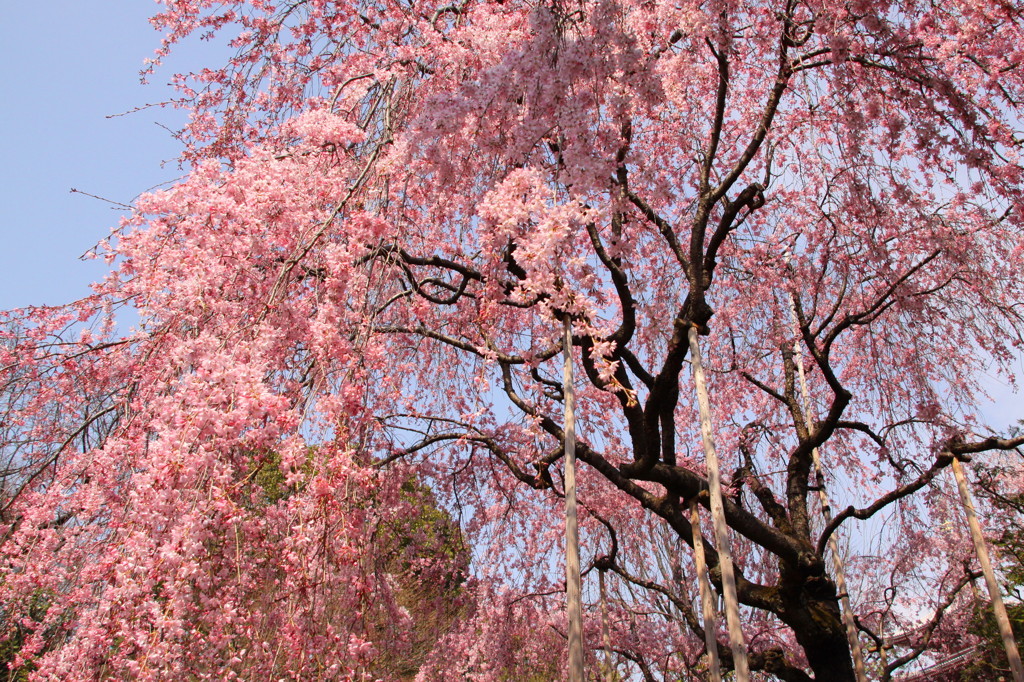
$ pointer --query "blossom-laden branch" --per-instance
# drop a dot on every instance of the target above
(344, 383)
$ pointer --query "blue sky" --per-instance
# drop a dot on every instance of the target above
(67, 67)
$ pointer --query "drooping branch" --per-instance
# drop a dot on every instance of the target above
(751, 198)
(954, 448)
(666, 230)
(627, 304)
(943, 460)
(926, 631)
(882, 302)
(686, 484)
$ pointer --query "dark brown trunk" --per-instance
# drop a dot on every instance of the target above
(812, 611)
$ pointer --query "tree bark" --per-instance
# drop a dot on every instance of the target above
(819, 630)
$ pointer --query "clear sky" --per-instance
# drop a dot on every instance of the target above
(68, 67)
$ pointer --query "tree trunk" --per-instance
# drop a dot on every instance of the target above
(810, 607)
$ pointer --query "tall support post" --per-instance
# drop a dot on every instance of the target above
(826, 512)
(883, 656)
(1002, 619)
(707, 601)
(732, 606)
(572, 539)
(606, 638)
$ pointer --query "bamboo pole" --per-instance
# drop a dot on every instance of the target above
(707, 602)
(732, 607)
(572, 539)
(882, 655)
(846, 609)
(998, 608)
(606, 638)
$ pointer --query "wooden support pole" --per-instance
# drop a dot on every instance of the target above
(572, 539)
(846, 607)
(707, 601)
(883, 647)
(1002, 619)
(732, 607)
(606, 638)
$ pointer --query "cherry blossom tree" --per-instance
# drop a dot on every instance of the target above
(392, 209)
